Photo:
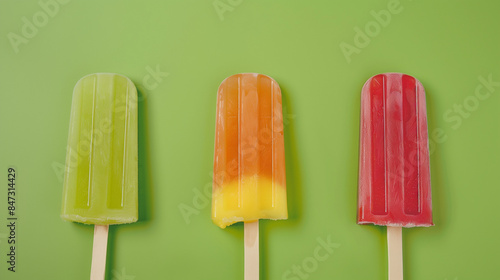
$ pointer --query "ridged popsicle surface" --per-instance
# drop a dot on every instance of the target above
(101, 174)
(249, 161)
(394, 170)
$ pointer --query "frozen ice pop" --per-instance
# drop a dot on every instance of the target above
(249, 161)
(101, 178)
(100, 184)
(394, 171)
(394, 175)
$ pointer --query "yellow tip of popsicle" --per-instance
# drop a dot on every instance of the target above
(248, 200)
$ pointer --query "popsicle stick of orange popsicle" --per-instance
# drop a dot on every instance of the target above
(249, 160)
(251, 250)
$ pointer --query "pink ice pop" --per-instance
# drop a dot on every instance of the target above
(394, 172)
(394, 176)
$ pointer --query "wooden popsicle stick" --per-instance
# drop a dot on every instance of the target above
(252, 250)
(395, 252)
(99, 250)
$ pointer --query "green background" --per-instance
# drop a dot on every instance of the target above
(446, 45)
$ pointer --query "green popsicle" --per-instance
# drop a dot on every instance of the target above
(100, 184)
(101, 180)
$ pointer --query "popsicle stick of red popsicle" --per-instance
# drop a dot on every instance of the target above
(394, 173)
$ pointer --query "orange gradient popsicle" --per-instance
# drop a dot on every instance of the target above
(249, 161)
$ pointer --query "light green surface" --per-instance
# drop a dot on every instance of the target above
(446, 45)
(101, 176)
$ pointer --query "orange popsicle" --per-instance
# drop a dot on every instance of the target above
(249, 161)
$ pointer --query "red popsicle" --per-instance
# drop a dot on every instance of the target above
(394, 173)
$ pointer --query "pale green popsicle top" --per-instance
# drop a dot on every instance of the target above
(100, 182)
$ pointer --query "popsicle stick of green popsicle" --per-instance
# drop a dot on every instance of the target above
(101, 177)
